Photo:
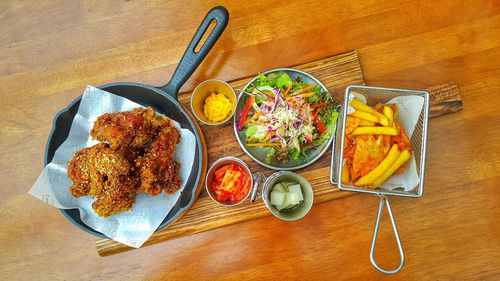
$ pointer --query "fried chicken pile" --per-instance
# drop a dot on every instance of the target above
(136, 154)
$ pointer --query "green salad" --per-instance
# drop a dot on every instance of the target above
(286, 116)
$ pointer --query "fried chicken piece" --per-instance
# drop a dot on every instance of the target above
(83, 174)
(132, 129)
(92, 166)
(157, 168)
(79, 171)
(118, 195)
(104, 170)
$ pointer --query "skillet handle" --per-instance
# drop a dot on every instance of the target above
(191, 59)
(385, 200)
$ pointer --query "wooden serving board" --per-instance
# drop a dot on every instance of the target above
(336, 73)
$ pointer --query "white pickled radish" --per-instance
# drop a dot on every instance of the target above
(291, 199)
(277, 198)
(295, 188)
(281, 207)
(279, 187)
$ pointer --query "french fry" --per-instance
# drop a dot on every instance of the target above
(389, 114)
(374, 174)
(366, 123)
(375, 131)
(364, 115)
(359, 105)
(378, 107)
(402, 158)
(352, 119)
(395, 109)
(345, 174)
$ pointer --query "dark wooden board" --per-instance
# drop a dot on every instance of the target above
(336, 73)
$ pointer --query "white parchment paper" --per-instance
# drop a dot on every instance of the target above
(132, 227)
(409, 111)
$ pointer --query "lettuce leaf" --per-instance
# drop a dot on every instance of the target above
(259, 100)
(261, 80)
(282, 81)
(250, 131)
(330, 123)
(270, 155)
(294, 153)
(256, 132)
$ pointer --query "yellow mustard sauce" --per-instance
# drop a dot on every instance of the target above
(217, 107)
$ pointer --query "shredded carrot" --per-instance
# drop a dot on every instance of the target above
(253, 118)
(271, 95)
(286, 91)
(303, 90)
(264, 144)
(306, 95)
(269, 135)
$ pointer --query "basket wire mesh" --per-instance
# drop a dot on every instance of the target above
(418, 141)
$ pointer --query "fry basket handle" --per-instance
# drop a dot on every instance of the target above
(385, 200)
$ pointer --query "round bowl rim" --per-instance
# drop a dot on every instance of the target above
(233, 109)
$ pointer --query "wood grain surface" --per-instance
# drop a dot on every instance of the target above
(336, 73)
(51, 49)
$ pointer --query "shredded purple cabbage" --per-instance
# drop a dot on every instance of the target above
(265, 108)
(276, 100)
(297, 123)
(296, 133)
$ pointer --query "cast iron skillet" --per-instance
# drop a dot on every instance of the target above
(163, 100)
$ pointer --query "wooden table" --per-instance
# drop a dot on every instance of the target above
(49, 50)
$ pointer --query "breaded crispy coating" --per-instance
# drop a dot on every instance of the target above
(157, 168)
(132, 129)
(117, 196)
(136, 155)
(93, 167)
(79, 171)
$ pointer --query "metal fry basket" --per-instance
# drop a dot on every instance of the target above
(418, 141)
